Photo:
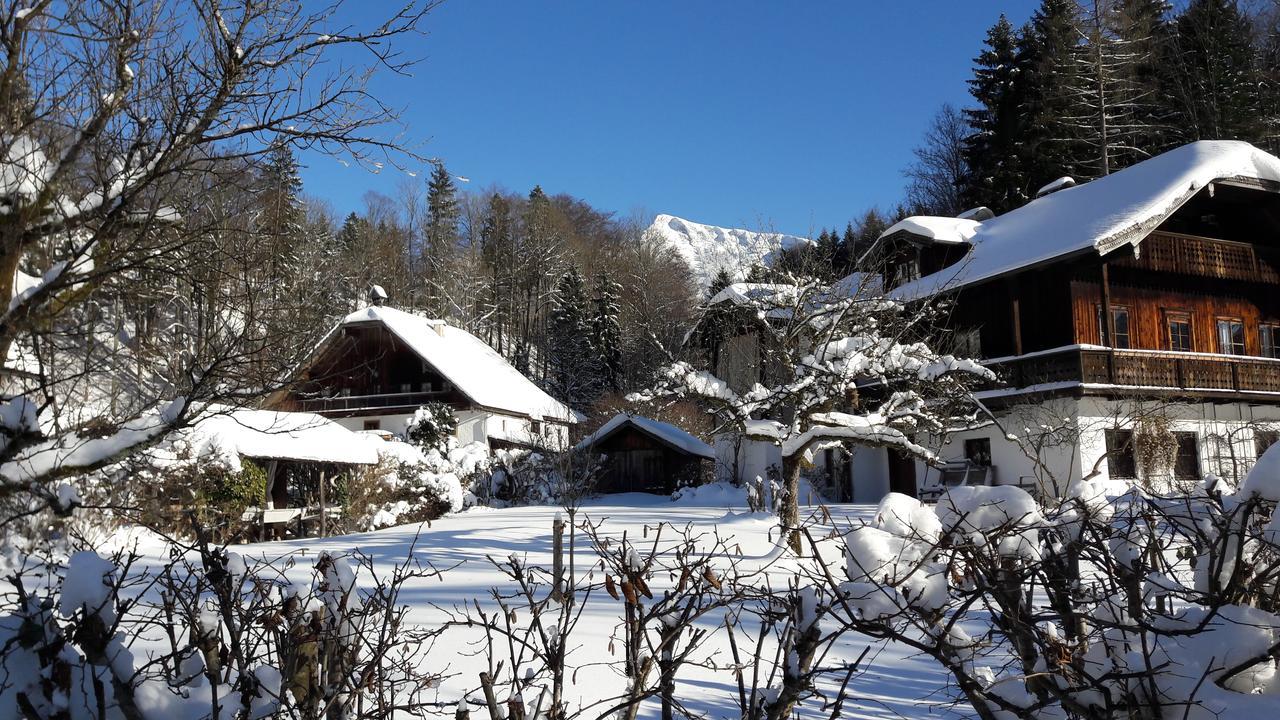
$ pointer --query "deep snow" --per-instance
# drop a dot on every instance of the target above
(894, 684)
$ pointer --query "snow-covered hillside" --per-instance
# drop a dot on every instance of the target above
(707, 249)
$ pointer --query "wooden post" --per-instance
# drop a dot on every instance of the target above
(462, 712)
(1108, 324)
(557, 558)
(1017, 327)
(323, 524)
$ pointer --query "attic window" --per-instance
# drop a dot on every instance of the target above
(906, 271)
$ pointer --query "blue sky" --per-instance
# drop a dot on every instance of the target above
(784, 115)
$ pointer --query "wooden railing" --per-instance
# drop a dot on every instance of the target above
(1191, 373)
(1206, 257)
(365, 402)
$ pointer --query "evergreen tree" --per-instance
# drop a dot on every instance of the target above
(570, 374)
(497, 251)
(281, 215)
(994, 148)
(279, 228)
(441, 236)
(848, 256)
(1135, 63)
(1269, 67)
(351, 235)
(606, 331)
(1215, 82)
(1047, 52)
(718, 283)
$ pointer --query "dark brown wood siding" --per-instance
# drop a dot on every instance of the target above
(637, 462)
(1149, 306)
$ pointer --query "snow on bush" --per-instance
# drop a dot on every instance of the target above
(411, 485)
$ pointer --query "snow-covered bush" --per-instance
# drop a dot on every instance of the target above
(1141, 605)
(410, 485)
(186, 490)
(431, 426)
(523, 477)
(210, 634)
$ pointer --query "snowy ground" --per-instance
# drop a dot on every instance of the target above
(894, 684)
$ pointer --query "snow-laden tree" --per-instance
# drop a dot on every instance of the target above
(130, 134)
(837, 364)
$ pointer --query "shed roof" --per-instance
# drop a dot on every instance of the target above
(272, 435)
(664, 432)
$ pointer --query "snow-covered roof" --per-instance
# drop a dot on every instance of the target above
(474, 368)
(745, 293)
(1101, 215)
(272, 435)
(946, 230)
(667, 433)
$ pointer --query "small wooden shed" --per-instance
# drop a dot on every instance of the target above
(640, 454)
(302, 453)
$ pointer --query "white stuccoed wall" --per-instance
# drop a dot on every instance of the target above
(1224, 432)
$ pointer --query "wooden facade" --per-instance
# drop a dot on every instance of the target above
(369, 368)
(635, 461)
(1193, 309)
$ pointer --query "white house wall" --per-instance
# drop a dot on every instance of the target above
(1224, 431)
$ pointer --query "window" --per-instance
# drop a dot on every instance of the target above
(968, 343)
(1268, 334)
(535, 426)
(1231, 336)
(372, 424)
(978, 451)
(1263, 439)
(1186, 464)
(1178, 325)
(1120, 317)
(1121, 460)
(906, 271)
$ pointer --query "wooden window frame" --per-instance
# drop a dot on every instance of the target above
(1102, 326)
(1196, 473)
(1244, 335)
(974, 447)
(1274, 327)
(1119, 451)
(1170, 316)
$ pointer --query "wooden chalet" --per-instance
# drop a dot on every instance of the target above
(639, 454)
(1159, 283)
(379, 365)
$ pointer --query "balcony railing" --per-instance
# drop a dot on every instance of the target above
(349, 403)
(1158, 370)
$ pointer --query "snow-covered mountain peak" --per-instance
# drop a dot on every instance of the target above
(707, 248)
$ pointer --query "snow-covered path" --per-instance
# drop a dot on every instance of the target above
(893, 685)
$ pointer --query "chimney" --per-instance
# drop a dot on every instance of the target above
(377, 295)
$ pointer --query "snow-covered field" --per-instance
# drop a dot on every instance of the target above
(894, 684)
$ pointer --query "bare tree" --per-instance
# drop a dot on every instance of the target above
(124, 124)
(940, 169)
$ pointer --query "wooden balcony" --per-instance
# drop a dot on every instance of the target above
(1196, 256)
(1155, 372)
(351, 404)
